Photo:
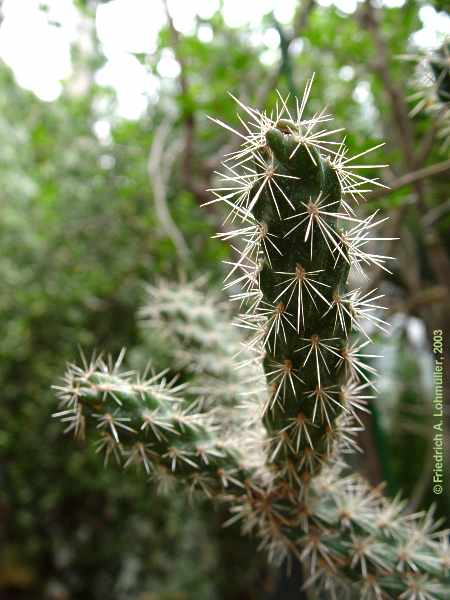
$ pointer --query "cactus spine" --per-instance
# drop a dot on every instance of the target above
(283, 475)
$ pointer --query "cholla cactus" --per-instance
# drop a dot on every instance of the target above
(433, 87)
(279, 459)
(145, 421)
(440, 64)
(290, 186)
(192, 323)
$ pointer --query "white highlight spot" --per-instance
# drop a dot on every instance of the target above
(36, 44)
(269, 57)
(132, 83)
(284, 11)
(393, 3)
(346, 73)
(167, 64)
(361, 93)
(205, 33)
(129, 25)
(102, 129)
(296, 47)
(271, 38)
(205, 8)
(237, 13)
(436, 26)
(346, 6)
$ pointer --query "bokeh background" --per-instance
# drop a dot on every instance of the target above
(106, 155)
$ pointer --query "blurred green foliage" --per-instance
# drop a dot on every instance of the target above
(76, 245)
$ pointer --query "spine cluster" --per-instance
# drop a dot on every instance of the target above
(278, 460)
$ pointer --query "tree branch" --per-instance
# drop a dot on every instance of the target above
(159, 168)
(410, 178)
(400, 114)
(301, 18)
(188, 115)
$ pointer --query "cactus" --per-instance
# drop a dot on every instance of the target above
(440, 65)
(186, 320)
(432, 83)
(145, 421)
(298, 259)
(279, 459)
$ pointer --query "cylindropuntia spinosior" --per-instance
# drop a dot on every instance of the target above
(432, 87)
(276, 454)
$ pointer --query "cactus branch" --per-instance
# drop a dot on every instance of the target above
(275, 453)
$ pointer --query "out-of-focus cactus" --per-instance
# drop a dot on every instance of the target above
(279, 459)
(440, 64)
(432, 85)
(192, 325)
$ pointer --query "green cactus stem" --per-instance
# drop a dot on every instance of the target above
(299, 283)
(147, 422)
(302, 313)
